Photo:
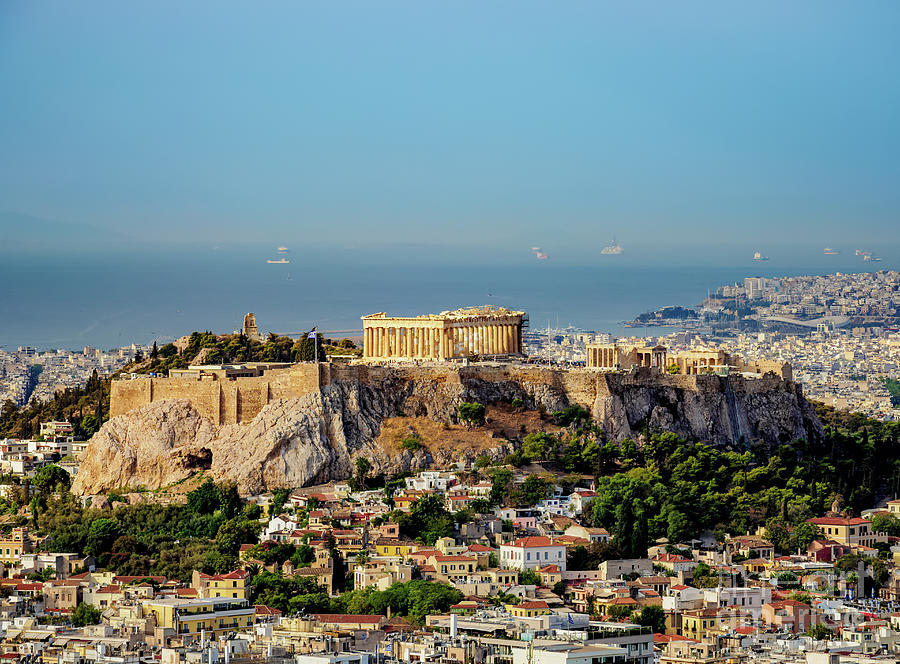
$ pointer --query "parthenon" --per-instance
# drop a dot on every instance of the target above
(464, 333)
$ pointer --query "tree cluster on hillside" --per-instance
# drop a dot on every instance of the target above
(145, 539)
(232, 348)
(302, 594)
(675, 488)
(85, 407)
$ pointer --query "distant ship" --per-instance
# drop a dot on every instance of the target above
(280, 261)
(869, 256)
(831, 252)
(540, 256)
(611, 249)
(759, 257)
(283, 250)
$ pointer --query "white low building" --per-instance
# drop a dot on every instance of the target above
(531, 553)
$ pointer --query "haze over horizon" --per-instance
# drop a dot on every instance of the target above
(743, 126)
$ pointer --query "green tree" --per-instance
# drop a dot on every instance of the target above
(804, 534)
(363, 466)
(886, 523)
(534, 489)
(500, 482)
(50, 479)
(779, 534)
(483, 461)
(539, 446)
(471, 414)
(85, 614)
(279, 498)
(678, 527)
(567, 416)
(204, 499)
(101, 534)
(427, 520)
(228, 499)
(652, 616)
(820, 632)
(235, 532)
(529, 577)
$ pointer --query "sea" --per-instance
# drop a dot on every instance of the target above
(112, 298)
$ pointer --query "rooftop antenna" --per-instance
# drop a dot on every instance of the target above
(548, 342)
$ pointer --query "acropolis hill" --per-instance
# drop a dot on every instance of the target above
(306, 423)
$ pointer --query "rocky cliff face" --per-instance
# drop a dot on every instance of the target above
(316, 438)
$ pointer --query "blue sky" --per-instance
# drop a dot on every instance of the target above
(687, 124)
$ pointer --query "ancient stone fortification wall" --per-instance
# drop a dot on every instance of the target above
(230, 401)
(705, 407)
(282, 439)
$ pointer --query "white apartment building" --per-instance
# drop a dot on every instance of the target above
(531, 553)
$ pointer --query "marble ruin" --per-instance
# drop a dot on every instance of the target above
(450, 335)
(617, 357)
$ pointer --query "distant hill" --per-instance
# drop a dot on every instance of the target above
(23, 232)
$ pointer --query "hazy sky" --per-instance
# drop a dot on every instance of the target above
(551, 123)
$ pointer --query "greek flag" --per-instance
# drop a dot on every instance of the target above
(312, 333)
(569, 616)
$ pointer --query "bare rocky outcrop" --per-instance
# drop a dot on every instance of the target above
(316, 438)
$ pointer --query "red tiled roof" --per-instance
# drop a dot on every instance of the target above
(263, 610)
(131, 579)
(671, 558)
(479, 548)
(533, 541)
(454, 559)
(231, 576)
(837, 521)
(533, 605)
(786, 603)
(668, 638)
(337, 618)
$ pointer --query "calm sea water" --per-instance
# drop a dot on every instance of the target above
(68, 301)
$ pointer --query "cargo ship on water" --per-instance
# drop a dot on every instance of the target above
(280, 261)
(831, 252)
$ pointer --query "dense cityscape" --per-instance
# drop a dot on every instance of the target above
(280, 381)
